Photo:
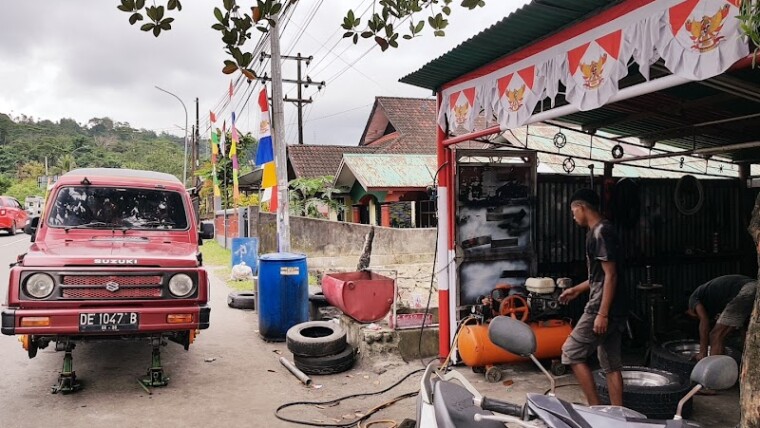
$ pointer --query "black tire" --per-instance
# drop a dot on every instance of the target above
(241, 300)
(327, 365)
(12, 230)
(316, 339)
(666, 356)
(655, 401)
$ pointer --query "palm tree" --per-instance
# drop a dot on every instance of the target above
(65, 164)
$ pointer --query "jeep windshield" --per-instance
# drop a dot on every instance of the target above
(117, 208)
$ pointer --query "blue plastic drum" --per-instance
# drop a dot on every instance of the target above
(283, 294)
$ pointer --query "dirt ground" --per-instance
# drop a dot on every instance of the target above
(230, 377)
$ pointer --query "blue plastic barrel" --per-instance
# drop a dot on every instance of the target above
(283, 294)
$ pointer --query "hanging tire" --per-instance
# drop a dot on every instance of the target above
(241, 300)
(327, 365)
(676, 356)
(653, 392)
(316, 339)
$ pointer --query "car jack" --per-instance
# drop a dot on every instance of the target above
(156, 376)
(67, 378)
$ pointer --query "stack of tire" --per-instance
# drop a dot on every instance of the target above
(320, 348)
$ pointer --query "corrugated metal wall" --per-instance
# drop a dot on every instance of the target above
(679, 248)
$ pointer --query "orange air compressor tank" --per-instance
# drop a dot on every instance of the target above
(477, 350)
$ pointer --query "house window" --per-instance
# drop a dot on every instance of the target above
(426, 214)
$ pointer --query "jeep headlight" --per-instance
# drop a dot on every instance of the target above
(181, 285)
(39, 285)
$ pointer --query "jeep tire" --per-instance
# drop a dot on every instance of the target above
(316, 339)
(327, 365)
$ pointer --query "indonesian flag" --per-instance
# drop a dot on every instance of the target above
(461, 109)
(702, 38)
(517, 97)
(265, 154)
(594, 70)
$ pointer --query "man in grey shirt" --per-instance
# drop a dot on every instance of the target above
(601, 326)
(729, 298)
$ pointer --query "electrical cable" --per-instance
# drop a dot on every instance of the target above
(340, 399)
(433, 274)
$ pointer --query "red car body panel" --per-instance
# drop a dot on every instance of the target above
(12, 211)
(87, 254)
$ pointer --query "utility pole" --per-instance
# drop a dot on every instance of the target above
(300, 101)
(280, 148)
(192, 158)
(197, 137)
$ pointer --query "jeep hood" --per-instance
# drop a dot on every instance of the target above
(113, 252)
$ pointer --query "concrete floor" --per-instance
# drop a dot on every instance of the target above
(243, 385)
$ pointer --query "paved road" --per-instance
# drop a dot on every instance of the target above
(242, 386)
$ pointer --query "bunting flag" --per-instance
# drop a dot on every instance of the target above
(594, 70)
(214, 153)
(223, 140)
(235, 164)
(265, 154)
(517, 97)
(696, 40)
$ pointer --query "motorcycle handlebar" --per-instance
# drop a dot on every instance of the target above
(501, 407)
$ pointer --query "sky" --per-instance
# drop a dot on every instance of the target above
(81, 59)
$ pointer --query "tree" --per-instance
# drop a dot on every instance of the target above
(31, 170)
(750, 376)
(65, 164)
(235, 26)
(21, 189)
(308, 196)
(5, 183)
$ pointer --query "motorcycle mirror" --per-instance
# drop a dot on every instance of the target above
(512, 335)
(713, 372)
(716, 372)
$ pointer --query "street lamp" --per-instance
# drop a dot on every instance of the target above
(184, 169)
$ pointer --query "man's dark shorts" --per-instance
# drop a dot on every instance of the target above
(583, 342)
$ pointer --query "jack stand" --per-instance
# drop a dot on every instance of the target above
(67, 378)
(156, 376)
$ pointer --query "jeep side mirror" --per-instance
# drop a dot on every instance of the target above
(713, 372)
(31, 227)
(207, 230)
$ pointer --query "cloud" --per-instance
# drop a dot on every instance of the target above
(82, 59)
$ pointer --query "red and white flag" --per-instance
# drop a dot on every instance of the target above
(462, 109)
(702, 38)
(517, 97)
(594, 70)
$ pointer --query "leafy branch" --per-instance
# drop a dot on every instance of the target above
(158, 23)
(750, 23)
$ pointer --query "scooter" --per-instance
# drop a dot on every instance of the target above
(442, 403)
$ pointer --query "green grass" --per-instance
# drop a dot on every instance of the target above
(218, 260)
(214, 254)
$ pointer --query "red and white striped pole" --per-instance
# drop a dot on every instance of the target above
(444, 244)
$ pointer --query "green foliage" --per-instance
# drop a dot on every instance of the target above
(5, 183)
(25, 145)
(750, 23)
(21, 189)
(308, 195)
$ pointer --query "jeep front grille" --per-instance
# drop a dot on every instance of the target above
(111, 287)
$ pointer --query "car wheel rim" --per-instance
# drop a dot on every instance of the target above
(641, 378)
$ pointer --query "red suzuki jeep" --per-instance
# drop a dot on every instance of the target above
(115, 256)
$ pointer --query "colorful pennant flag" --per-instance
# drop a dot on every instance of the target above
(265, 154)
(214, 152)
(235, 164)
